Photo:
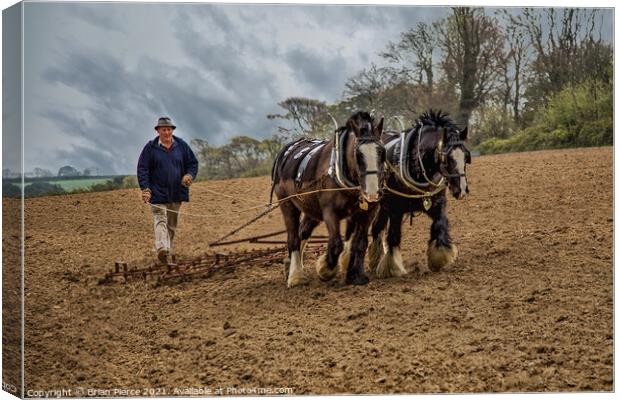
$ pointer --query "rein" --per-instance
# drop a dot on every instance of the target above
(269, 206)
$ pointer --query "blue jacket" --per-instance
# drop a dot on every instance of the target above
(162, 171)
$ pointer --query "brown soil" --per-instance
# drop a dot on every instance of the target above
(528, 305)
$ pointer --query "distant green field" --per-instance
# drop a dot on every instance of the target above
(71, 184)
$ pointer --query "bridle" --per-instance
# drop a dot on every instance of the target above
(364, 139)
(443, 152)
(335, 170)
(369, 138)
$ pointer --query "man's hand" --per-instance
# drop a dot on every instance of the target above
(146, 195)
(187, 180)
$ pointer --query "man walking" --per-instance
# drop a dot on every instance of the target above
(166, 169)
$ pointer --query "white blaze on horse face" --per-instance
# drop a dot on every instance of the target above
(459, 158)
(369, 151)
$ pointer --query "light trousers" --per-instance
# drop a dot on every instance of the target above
(165, 223)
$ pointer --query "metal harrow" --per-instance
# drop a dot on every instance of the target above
(201, 266)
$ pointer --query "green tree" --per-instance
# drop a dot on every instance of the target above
(42, 188)
(68, 170)
(130, 181)
(10, 190)
(575, 116)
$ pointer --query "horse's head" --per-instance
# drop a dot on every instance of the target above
(444, 143)
(369, 154)
(453, 156)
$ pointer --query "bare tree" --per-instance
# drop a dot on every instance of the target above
(472, 46)
(368, 84)
(44, 173)
(414, 54)
(564, 45)
(514, 67)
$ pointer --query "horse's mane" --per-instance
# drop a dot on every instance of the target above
(437, 118)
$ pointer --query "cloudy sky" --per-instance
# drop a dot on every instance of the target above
(97, 75)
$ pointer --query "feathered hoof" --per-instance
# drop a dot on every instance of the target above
(286, 267)
(345, 257)
(325, 273)
(302, 247)
(297, 278)
(375, 252)
(440, 256)
(357, 279)
(391, 265)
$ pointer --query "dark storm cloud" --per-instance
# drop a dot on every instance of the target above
(99, 74)
(77, 155)
(93, 73)
(324, 73)
(112, 88)
(107, 71)
(11, 88)
(121, 95)
(102, 18)
(229, 54)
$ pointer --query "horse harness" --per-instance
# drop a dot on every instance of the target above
(308, 148)
(399, 147)
(313, 147)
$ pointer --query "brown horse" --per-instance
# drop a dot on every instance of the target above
(345, 176)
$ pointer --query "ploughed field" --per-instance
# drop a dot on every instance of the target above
(527, 306)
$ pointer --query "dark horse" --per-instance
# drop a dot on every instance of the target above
(422, 162)
(348, 171)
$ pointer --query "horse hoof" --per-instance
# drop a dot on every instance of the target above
(391, 265)
(359, 279)
(296, 280)
(322, 269)
(440, 256)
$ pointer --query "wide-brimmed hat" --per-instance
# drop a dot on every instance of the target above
(164, 121)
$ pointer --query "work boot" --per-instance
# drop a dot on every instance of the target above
(162, 255)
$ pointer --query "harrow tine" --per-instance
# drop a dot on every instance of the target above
(204, 265)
